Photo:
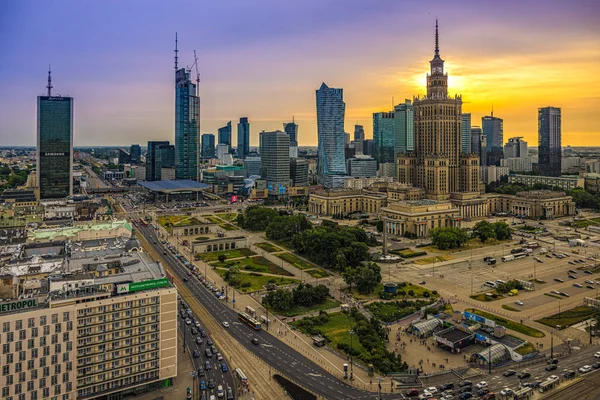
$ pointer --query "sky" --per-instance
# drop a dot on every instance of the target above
(264, 59)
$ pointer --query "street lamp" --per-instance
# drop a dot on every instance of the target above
(351, 348)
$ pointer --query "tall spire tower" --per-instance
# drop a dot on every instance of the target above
(176, 51)
(437, 40)
(49, 86)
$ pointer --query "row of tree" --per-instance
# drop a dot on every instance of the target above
(304, 295)
(451, 238)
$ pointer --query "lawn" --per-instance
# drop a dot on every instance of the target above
(300, 310)
(509, 308)
(568, 317)
(317, 273)
(255, 264)
(295, 261)
(484, 297)
(403, 291)
(429, 260)
(526, 349)
(235, 253)
(337, 331)
(394, 310)
(212, 219)
(201, 238)
(508, 324)
(582, 223)
(228, 216)
(177, 220)
(228, 227)
(253, 282)
(266, 246)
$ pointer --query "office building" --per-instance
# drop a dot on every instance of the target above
(154, 159)
(243, 138)
(291, 128)
(404, 129)
(549, 141)
(517, 164)
(208, 146)
(124, 156)
(275, 157)
(493, 173)
(437, 163)
(359, 138)
(299, 172)
(362, 167)
(331, 135)
(54, 164)
(253, 166)
(368, 147)
(225, 135)
(187, 124)
(167, 156)
(135, 154)
(478, 145)
(563, 182)
(494, 138)
(466, 132)
(515, 148)
(384, 137)
(346, 139)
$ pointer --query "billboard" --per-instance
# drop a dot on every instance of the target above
(18, 305)
(146, 285)
(480, 319)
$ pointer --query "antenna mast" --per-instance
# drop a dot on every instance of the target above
(176, 51)
(49, 87)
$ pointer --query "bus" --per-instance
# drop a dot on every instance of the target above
(520, 255)
(508, 258)
(241, 376)
(248, 320)
(533, 245)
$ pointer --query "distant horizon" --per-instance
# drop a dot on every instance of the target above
(116, 61)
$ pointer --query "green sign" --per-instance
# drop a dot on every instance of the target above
(18, 305)
(153, 284)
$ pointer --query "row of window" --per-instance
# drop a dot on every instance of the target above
(117, 306)
(9, 337)
(42, 384)
(31, 343)
(123, 382)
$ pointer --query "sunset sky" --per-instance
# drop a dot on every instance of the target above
(264, 59)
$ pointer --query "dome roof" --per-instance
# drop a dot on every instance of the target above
(132, 243)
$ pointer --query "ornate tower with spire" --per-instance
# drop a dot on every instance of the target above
(437, 163)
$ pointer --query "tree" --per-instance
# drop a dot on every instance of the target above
(257, 218)
(281, 300)
(232, 276)
(484, 231)
(222, 258)
(502, 230)
(379, 226)
(448, 238)
(364, 277)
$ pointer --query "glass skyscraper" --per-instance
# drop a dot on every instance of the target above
(291, 128)
(404, 128)
(494, 138)
(330, 127)
(208, 146)
(187, 126)
(225, 134)
(384, 140)
(135, 153)
(549, 139)
(54, 146)
(275, 158)
(154, 159)
(466, 132)
(243, 137)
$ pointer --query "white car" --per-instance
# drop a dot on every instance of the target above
(425, 395)
(506, 392)
(519, 302)
(226, 324)
(482, 384)
(447, 397)
(597, 354)
(585, 369)
(188, 321)
(431, 389)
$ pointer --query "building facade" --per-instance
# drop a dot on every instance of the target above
(331, 110)
(208, 146)
(275, 157)
(478, 145)
(346, 202)
(515, 148)
(418, 217)
(362, 167)
(187, 126)
(135, 154)
(493, 129)
(154, 160)
(299, 172)
(521, 164)
(563, 182)
(437, 163)
(225, 135)
(54, 164)
(243, 138)
(384, 137)
(549, 139)
(466, 132)
(404, 128)
(253, 166)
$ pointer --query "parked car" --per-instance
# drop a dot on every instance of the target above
(506, 392)
(446, 386)
(585, 369)
(519, 302)
(465, 383)
(211, 384)
(196, 354)
(412, 392)
(465, 389)
(551, 367)
(425, 395)
(510, 372)
(554, 360)
(569, 374)
(465, 396)
(481, 385)
(431, 389)
(558, 280)
(523, 375)
(579, 285)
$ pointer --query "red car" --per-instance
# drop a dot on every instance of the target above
(412, 392)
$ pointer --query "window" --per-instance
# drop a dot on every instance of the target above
(6, 327)
(57, 348)
(34, 374)
(65, 316)
(46, 350)
(30, 386)
(69, 326)
(9, 380)
(30, 364)
(46, 371)
(54, 380)
(43, 362)
(10, 337)
(43, 341)
(18, 367)
(46, 393)
(46, 330)
(65, 357)
(54, 339)
(66, 337)
(17, 388)
(30, 343)
(5, 391)
(57, 369)
(5, 370)
(22, 377)
(54, 359)
(34, 395)
(18, 346)
(42, 382)
(22, 356)
(18, 324)
(43, 320)
(5, 348)
(65, 377)
(55, 318)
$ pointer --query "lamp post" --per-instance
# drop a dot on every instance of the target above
(379, 380)
(351, 348)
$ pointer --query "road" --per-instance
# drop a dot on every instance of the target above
(277, 354)
(214, 373)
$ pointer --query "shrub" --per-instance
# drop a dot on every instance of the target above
(411, 292)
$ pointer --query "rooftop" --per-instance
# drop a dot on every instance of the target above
(453, 334)
(70, 231)
(541, 194)
(173, 186)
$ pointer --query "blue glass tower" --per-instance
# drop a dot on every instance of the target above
(225, 134)
(404, 128)
(330, 126)
(208, 146)
(466, 132)
(243, 137)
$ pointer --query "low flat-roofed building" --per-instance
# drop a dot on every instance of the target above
(563, 182)
(345, 202)
(418, 217)
(84, 231)
(219, 244)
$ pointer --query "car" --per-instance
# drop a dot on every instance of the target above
(548, 255)
(569, 374)
(579, 285)
(489, 396)
(212, 397)
(219, 357)
(422, 283)
(585, 369)
(447, 397)
(200, 371)
(506, 392)
(255, 341)
(229, 394)
(425, 395)
(208, 353)
(596, 365)
(510, 372)
(481, 385)
(551, 367)
(554, 291)
(553, 361)
(449, 392)
(223, 367)
(211, 384)
(587, 271)
(465, 396)
(213, 349)
(196, 354)
(209, 342)
(203, 385)
(446, 386)
(188, 321)
(203, 334)
(558, 280)
(597, 354)
(465, 389)
(220, 392)
(412, 392)
(431, 389)
(564, 294)
(185, 279)
(590, 287)
(465, 383)
(198, 340)
(572, 276)
(524, 374)
(194, 330)
(519, 302)
(572, 271)
(482, 392)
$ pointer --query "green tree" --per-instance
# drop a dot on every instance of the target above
(257, 218)
(232, 276)
(448, 238)
(364, 277)
(281, 300)
(222, 258)
(502, 230)
(484, 231)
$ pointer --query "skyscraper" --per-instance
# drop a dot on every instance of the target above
(368, 147)
(384, 137)
(330, 126)
(466, 132)
(275, 158)
(167, 155)
(154, 161)
(243, 138)
(291, 128)
(549, 139)
(478, 145)
(208, 146)
(404, 128)
(515, 148)
(299, 172)
(54, 163)
(135, 153)
(225, 134)
(437, 163)
(187, 123)
(494, 138)
(359, 133)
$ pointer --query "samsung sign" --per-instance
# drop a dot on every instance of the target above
(18, 305)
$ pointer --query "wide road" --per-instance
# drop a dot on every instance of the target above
(277, 354)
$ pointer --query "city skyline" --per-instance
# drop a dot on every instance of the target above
(122, 77)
